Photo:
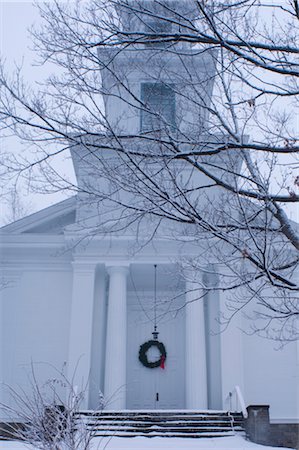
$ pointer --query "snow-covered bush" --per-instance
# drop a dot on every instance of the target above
(47, 415)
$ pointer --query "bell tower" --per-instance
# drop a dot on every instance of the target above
(155, 18)
(156, 83)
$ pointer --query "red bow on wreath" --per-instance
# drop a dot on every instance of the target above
(162, 363)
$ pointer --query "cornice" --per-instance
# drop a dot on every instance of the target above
(10, 277)
(11, 268)
(31, 240)
(197, 56)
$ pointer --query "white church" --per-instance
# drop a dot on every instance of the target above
(89, 301)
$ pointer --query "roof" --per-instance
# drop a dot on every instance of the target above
(51, 220)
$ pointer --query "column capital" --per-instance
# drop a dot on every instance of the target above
(118, 268)
(84, 266)
(192, 274)
(211, 276)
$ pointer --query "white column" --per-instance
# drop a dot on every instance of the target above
(98, 339)
(213, 339)
(116, 342)
(232, 345)
(2, 340)
(79, 358)
(296, 279)
(196, 371)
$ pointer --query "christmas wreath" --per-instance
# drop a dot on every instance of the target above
(143, 354)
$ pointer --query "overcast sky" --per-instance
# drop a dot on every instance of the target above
(16, 17)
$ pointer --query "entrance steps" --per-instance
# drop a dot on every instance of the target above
(179, 424)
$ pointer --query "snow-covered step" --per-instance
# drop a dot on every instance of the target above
(162, 423)
(166, 435)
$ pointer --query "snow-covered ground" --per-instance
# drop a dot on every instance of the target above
(139, 443)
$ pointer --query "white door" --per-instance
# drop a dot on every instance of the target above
(156, 388)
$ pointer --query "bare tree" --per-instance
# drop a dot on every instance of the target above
(206, 148)
(47, 415)
(15, 205)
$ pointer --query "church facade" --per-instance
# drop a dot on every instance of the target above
(92, 307)
(88, 300)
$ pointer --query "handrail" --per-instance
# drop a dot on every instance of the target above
(239, 399)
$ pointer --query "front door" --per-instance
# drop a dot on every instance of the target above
(156, 388)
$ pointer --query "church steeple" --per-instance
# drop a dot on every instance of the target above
(156, 82)
(150, 17)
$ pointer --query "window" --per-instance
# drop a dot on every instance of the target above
(159, 101)
(157, 27)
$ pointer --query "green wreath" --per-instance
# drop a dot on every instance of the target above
(143, 354)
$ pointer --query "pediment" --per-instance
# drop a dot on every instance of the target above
(51, 220)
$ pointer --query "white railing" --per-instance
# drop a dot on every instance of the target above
(236, 401)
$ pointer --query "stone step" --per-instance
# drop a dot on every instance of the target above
(157, 413)
(183, 417)
(184, 428)
(162, 423)
(161, 418)
(162, 430)
(159, 427)
(168, 435)
(198, 423)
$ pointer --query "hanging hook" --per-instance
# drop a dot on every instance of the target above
(155, 332)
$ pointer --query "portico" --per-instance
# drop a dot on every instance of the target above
(126, 305)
